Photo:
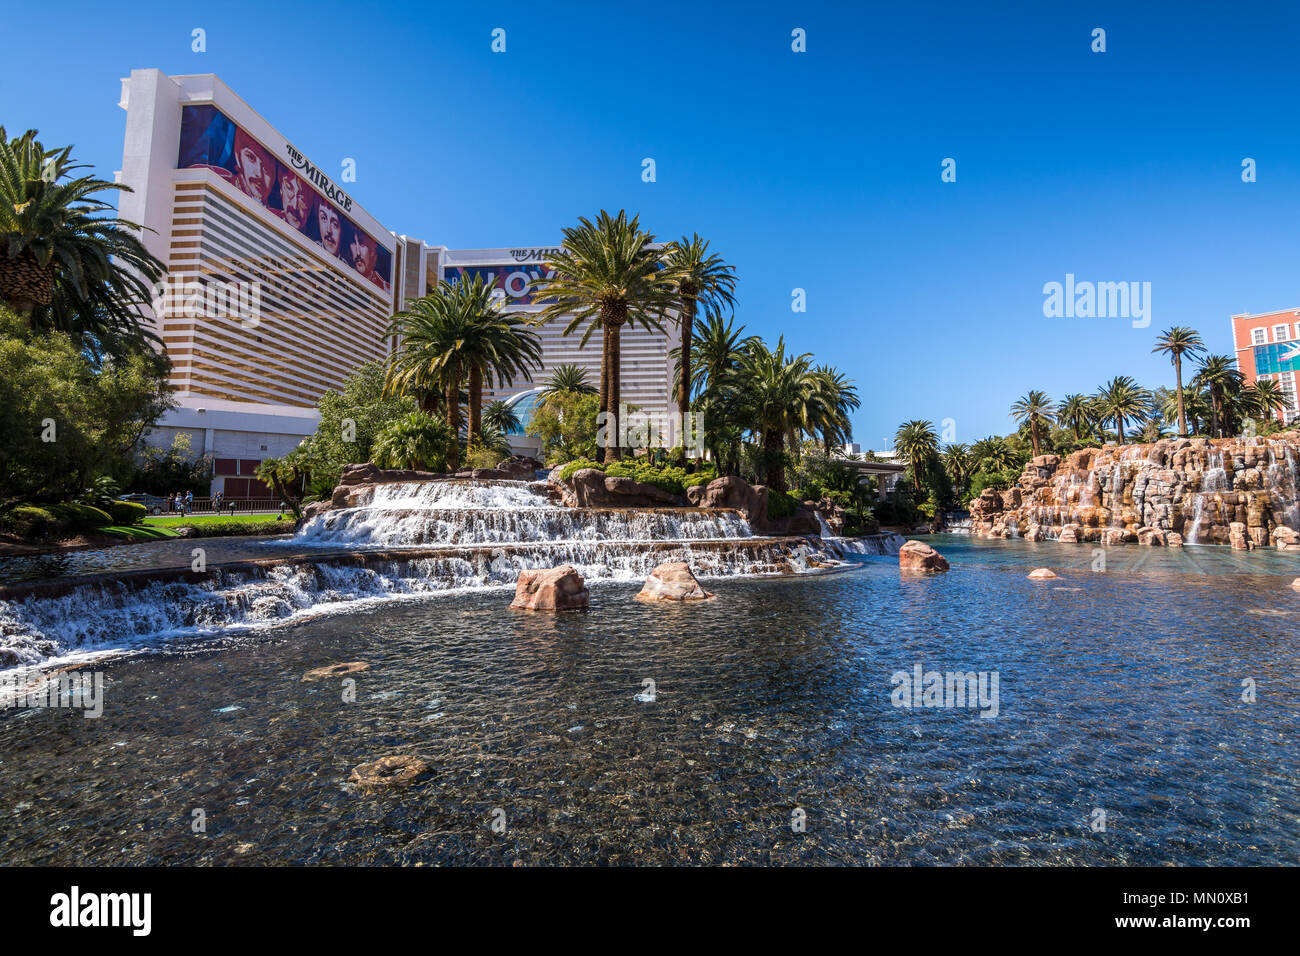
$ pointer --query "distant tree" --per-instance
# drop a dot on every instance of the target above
(1177, 342)
(1037, 410)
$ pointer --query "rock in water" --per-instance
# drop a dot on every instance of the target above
(336, 670)
(1295, 585)
(398, 770)
(556, 589)
(919, 556)
(672, 581)
(1043, 573)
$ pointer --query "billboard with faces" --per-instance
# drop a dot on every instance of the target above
(211, 140)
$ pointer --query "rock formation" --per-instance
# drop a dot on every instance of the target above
(557, 589)
(672, 581)
(919, 556)
(1236, 491)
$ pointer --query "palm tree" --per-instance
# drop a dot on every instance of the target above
(607, 274)
(702, 280)
(1075, 410)
(1177, 342)
(1036, 409)
(835, 398)
(64, 263)
(1265, 398)
(446, 334)
(719, 349)
(917, 442)
(1120, 400)
(959, 464)
(417, 441)
(777, 391)
(992, 454)
(1219, 375)
(501, 417)
(567, 378)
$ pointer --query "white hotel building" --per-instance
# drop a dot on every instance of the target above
(307, 278)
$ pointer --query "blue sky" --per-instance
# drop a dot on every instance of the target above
(816, 170)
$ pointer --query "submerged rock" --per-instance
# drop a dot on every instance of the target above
(556, 589)
(336, 670)
(672, 581)
(398, 770)
(919, 556)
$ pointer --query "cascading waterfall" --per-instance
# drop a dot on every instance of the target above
(400, 540)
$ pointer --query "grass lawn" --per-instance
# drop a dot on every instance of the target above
(204, 521)
(136, 532)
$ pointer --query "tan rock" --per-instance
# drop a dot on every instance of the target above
(672, 581)
(556, 589)
(336, 670)
(398, 770)
(919, 556)
(1043, 573)
(1173, 539)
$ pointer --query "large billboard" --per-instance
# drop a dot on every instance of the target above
(211, 140)
(1278, 357)
(513, 280)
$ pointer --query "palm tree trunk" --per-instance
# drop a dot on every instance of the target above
(475, 401)
(612, 359)
(1178, 379)
(1033, 435)
(774, 445)
(684, 380)
(453, 420)
(602, 453)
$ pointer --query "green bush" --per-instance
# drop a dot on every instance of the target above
(781, 504)
(225, 529)
(567, 471)
(55, 521)
(997, 480)
(127, 512)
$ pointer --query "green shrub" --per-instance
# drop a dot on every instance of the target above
(566, 471)
(127, 512)
(55, 521)
(225, 529)
(781, 504)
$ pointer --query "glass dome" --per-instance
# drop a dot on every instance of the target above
(523, 405)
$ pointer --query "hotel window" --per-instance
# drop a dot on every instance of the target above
(1258, 336)
(1280, 333)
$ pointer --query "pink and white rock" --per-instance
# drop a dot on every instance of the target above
(556, 589)
(919, 556)
(1043, 573)
(672, 581)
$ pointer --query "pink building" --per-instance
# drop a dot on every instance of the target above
(1267, 346)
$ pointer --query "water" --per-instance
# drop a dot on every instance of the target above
(1119, 690)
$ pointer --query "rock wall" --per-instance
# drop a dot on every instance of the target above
(1236, 491)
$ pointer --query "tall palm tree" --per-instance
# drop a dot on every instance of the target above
(1036, 409)
(1122, 399)
(778, 393)
(1177, 342)
(1221, 379)
(917, 442)
(1075, 410)
(703, 280)
(567, 378)
(65, 262)
(608, 274)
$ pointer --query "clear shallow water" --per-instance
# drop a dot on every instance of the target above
(1118, 690)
